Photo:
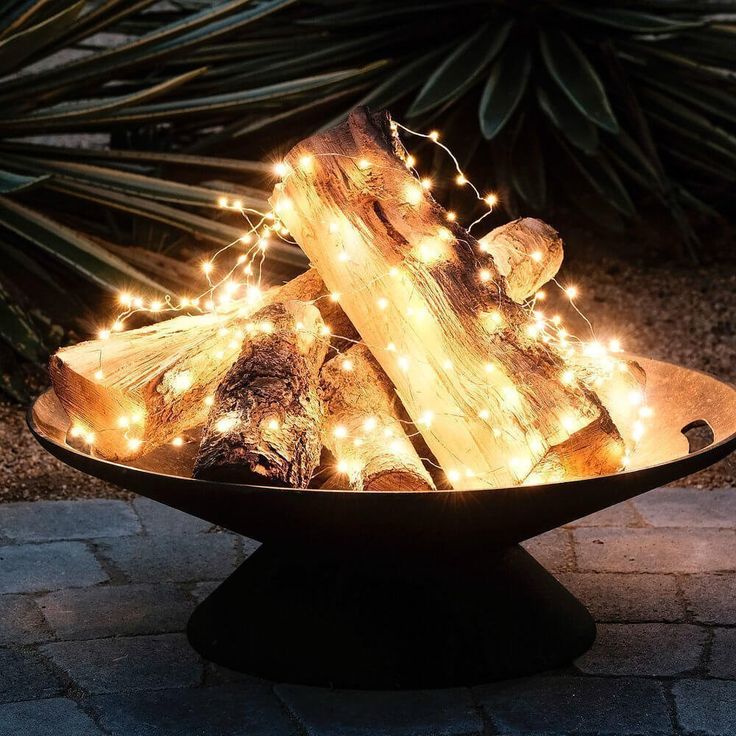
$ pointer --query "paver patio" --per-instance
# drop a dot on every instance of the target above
(95, 594)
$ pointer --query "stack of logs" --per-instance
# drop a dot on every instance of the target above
(390, 347)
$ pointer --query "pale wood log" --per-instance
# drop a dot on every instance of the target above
(267, 413)
(527, 252)
(373, 234)
(363, 430)
(158, 379)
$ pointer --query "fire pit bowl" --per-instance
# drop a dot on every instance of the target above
(397, 589)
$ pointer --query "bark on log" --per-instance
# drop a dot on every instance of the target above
(267, 413)
(158, 378)
(410, 284)
(527, 252)
(363, 430)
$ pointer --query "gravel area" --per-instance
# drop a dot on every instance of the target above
(680, 313)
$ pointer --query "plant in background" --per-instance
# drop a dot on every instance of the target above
(116, 115)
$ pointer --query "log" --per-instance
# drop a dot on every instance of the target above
(267, 413)
(433, 309)
(363, 430)
(527, 253)
(141, 388)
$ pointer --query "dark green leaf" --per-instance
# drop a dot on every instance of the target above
(72, 248)
(17, 330)
(631, 20)
(10, 182)
(504, 89)
(462, 68)
(567, 117)
(527, 166)
(577, 78)
(16, 49)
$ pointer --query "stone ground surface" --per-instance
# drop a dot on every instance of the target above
(95, 595)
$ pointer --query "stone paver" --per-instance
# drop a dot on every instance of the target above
(723, 654)
(711, 598)
(25, 676)
(131, 663)
(606, 549)
(644, 649)
(364, 713)
(91, 642)
(576, 705)
(552, 549)
(172, 557)
(228, 710)
(56, 520)
(29, 568)
(621, 514)
(706, 707)
(119, 610)
(688, 507)
(158, 518)
(52, 717)
(21, 621)
(625, 597)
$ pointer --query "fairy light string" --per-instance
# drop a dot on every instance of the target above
(234, 289)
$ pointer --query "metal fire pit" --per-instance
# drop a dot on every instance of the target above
(396, 589)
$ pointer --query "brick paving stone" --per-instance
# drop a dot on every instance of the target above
(723, 654)
(116, 610)
(229, 710)
(176, 557)
(51, 717)
(655, 550)
(711, 598)
(626, 596)
(21, 621)
(576, 705)
(131, 663)
(46, 521)
(552, 549)
(25, 676)
(706, 706)
(158, 518)
(31, 568)
(621, 514)
(325, 712)
(688, 507)
(644, 649)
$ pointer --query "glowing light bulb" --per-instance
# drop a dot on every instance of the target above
(237, 204)
(370, 424)
(444, 234)
(426, 183)
(273, 424)
(207, 267)
(177, 441)
(403, 363)
(484, 414)
(335, 296)
(340, 432)
(306, 163)
(635, 398)
(222, 201)
(125, 299)
(280, 169)
(571, 291)
(536, 255)
(484, 274)
(540, 296)
(364, 164)
(568, 422)
(382, 303)
(434, 135)
(426, 418)
(413, 194)
(182, 381)
(123, 422)
(226, 423)
(103, 334)
(453, 476)
(614, 346)
(343, 466)
(410, 162)
(451, 216)
(209, 400)
(460, 180)
(134, 443)
(489, 367)
(490, 199)
(567, 377)
(324, 330)
(646, 411)
(347, 365)
(99, 375)
(333, 227)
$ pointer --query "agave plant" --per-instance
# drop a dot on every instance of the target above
(122, 122)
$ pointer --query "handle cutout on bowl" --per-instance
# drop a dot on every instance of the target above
(699, 435)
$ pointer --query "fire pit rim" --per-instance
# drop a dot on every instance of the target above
(692, 462)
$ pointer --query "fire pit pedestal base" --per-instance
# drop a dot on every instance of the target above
(348, 623)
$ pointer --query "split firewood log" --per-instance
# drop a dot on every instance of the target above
(435, 312)
(267, 413)
(363, 430)
(526, 252)
(141, 388)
